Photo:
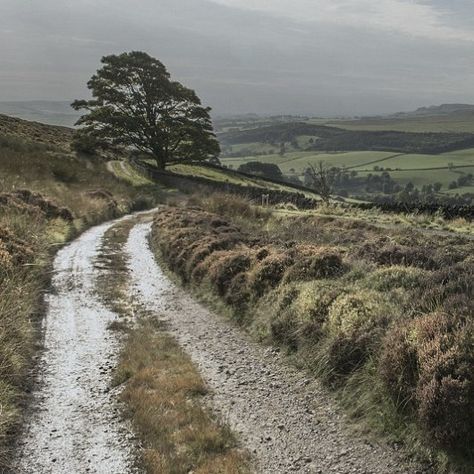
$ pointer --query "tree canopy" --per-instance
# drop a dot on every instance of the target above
(136, 105)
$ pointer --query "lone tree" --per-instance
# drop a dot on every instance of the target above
(321, 180)
(136, 105)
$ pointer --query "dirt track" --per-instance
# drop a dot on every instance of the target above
(75, 427)
(284, 419)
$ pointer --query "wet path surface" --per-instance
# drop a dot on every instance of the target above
(284, 419)
(75, 427)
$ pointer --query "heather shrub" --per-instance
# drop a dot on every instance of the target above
(311, 308)
(414, 256)
(313, 262)
(450, 285)
(204, 248)
(233, 206)
(284, 328)
(427, 366)
(6, 261)
(383, 251)
(226, 265)
(285, 296)
(268, 273)
(358, 312)
(356, 321)
(396, 276)
(238, 295)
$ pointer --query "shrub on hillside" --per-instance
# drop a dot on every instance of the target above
(239, 293)
(226, 265)
(427, 367)
(15, 251)
(312, 305)
(234, 206)
(445, 287)
(404, 255)
(396, 276)
(312, 262)
(35, 204)
(268, 273)
(355, 324)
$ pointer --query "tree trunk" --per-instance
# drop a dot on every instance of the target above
(160, 163)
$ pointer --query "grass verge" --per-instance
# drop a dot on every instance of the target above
(163, 392)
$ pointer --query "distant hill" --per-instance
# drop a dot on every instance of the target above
(48, 112)
(332, 139)
(437, 110)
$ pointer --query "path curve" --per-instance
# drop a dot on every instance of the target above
(285, 419)
(75, 426)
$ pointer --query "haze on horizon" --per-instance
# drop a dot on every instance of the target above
(315, 57)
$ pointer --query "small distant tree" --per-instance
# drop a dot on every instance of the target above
(437, 187)
(136, 105)
(320, 180)
(409, 187)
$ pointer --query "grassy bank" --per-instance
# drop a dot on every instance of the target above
(382, 316)
(48, 195)
(162, 390)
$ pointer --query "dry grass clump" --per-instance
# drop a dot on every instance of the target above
(163, 393)
(427, 368)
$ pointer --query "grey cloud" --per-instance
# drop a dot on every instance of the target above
(237, 60)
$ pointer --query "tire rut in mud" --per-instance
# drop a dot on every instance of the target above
(74, 425)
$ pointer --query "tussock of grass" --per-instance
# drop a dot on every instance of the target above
(23, 275)
(163, 395)
(344, 297)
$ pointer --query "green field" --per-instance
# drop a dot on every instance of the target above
(403, 168)
(299, 160)
(447, 124)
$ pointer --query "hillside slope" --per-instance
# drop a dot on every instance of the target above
(48, 195)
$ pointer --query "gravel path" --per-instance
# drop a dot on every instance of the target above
(74, 427)
(286, 420)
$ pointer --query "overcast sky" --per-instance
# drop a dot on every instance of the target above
(318, 57)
